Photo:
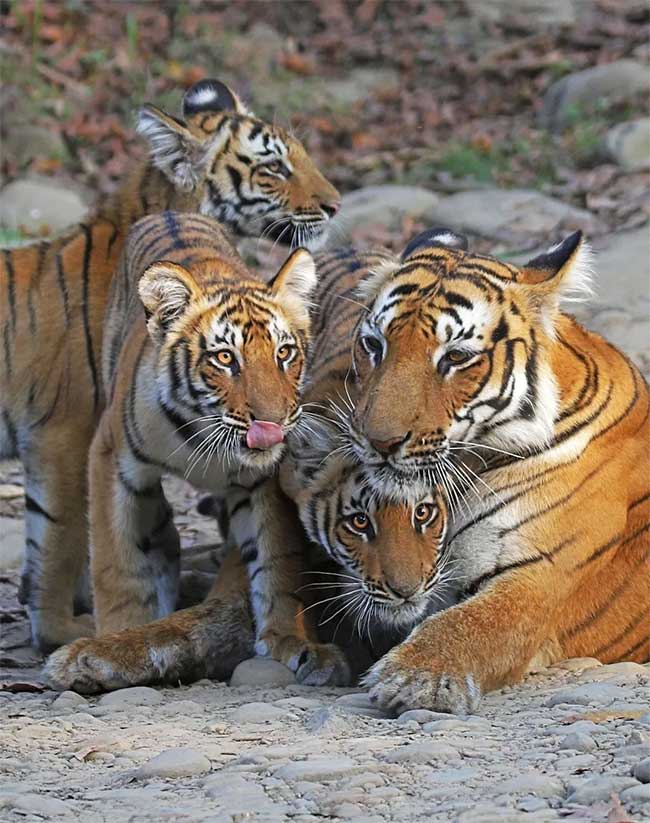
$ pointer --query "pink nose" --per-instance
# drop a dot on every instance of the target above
(331, 208)
(263, 435)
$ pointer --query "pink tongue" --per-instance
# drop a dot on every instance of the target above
(263, 435)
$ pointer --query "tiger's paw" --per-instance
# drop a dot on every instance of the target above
(398, 685)
(48, 635)
(314, 664)
(84, 666)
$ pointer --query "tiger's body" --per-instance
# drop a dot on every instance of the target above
(220, 161)
(536, 428)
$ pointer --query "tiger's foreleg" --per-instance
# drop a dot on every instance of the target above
(208, 640)
(266, 527)
(56, 533)
(134, 545)
(487, 642)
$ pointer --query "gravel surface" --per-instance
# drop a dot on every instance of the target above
(572, 741)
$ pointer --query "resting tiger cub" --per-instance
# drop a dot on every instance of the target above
(219, 160)
(386, 569)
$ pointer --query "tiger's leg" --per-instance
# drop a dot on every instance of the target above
(207, 640)
(266, 527)
(56, 533)
(134, 544)
(453, 657)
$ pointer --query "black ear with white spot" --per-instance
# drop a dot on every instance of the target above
(210, 95)
(436, 237)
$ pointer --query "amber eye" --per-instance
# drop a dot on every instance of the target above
(458, 356)
(224, 357)
(359, 521)
(423, 513)
(285, 353)
(276, 167)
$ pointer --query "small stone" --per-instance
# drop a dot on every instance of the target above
(12, 545)
(578, 741)
(133, 696)
(179, 762)
(642, 770)
(420, 716)
(326, 721)
(318, 768)
(261, 671)
(592, 694)
(577, 664)
(634, 753)
(579, 727)
(531, 804)
(37, 804)
(625, 671)
(422, 753)
(258, 713)
(636, 794)
(540, 785)
(599, 788)
(448, 724)
(69, 700)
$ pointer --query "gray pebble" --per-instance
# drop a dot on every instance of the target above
(37, 804)
(642, 770)
(598, 788)
(134, 696)
(540, 785)
(578, 741)
(420, 716)
(318, 768)
(422, 753)
(636, 794)
(69, 700)
(591, 694)
(258, 713)
(179, 762)
(261, 671)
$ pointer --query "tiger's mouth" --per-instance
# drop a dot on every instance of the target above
(291, 232)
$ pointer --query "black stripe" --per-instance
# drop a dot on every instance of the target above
(634, 649)
(7, 347)
(245, 503)
(622, 635)
(11, 286)
(32, 506)
(62, 286)
(249, 553)
(85, 310)
(147, 491)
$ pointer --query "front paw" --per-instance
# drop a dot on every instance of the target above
(314, 664)
(399, 685)
(84, 666)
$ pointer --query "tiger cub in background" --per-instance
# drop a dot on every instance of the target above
(219, 160)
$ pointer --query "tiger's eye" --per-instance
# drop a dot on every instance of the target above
(458, 356)
(225, 357)
(284, 353)
(372, 344)
(276, 167)
(423, 513)
(360, 521)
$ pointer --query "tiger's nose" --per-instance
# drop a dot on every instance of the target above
(403, 588)
(387, 447)
(331, 208)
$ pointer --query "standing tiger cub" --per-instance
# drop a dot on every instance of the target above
(219, 160)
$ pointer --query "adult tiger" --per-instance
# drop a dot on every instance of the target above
(219, 160)
(468, 370)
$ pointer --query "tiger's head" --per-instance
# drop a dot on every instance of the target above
(252, 176)
(453, 360)
(230, 354)
(390, 553)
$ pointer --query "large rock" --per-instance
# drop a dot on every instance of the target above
(506, 214)
(261, 671)
(381, 205)
(39, 204)
(628, 144)
(582, 90)
(181, 762)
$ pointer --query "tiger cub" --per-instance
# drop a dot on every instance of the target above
(219, 160)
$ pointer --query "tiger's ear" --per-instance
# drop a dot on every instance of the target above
(173, 148)
(435, 237)
(166, 290)
(564, 272)
(294, 284)
(210, 96)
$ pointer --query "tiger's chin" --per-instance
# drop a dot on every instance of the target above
(261, 459)
(312, 236)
